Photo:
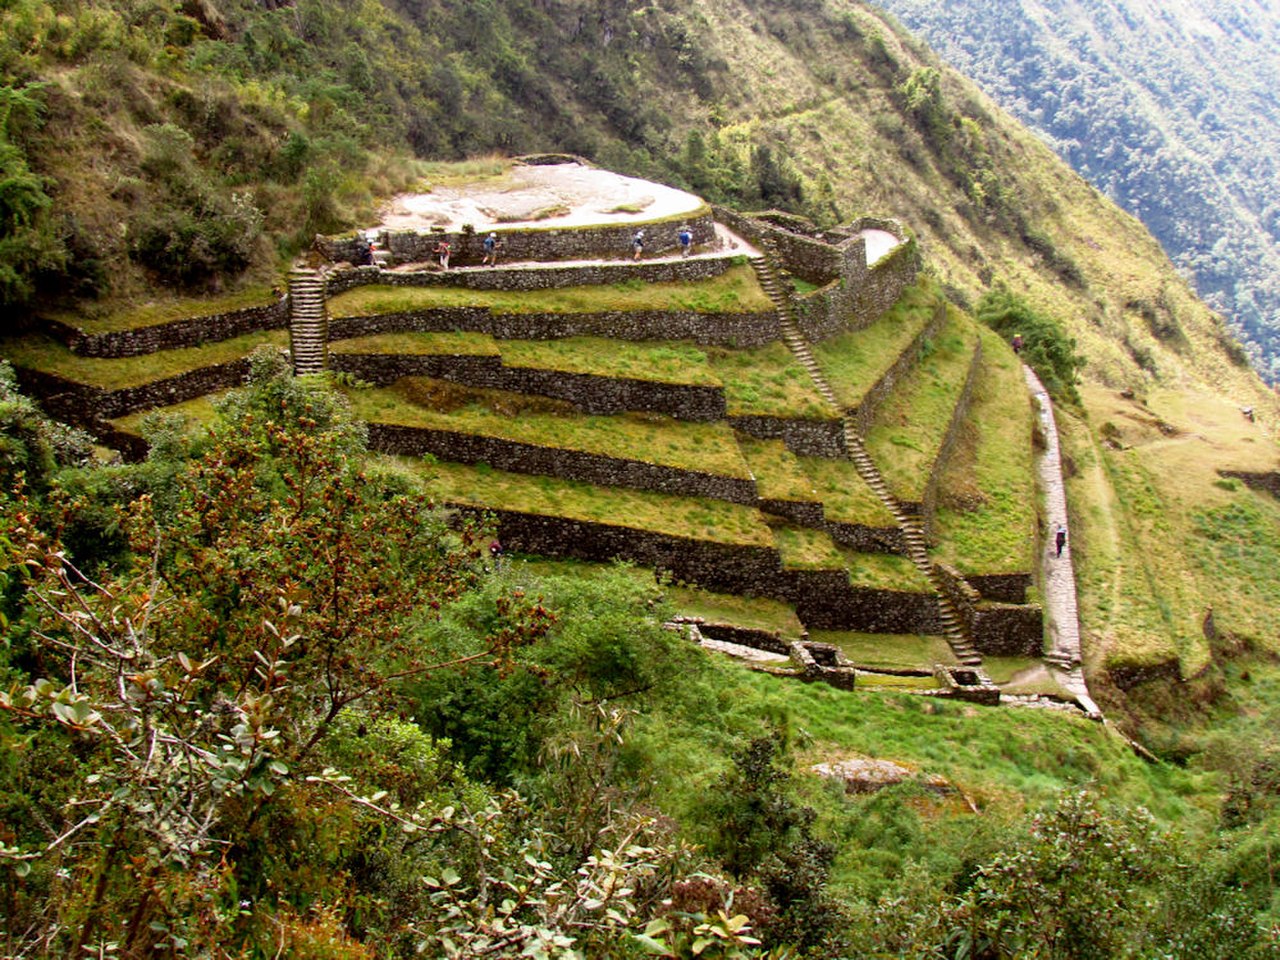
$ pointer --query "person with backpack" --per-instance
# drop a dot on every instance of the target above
(443, 250)
(637, 245)
(490, 250)
(686, 240)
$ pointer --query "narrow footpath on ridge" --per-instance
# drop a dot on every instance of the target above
(1059, 579)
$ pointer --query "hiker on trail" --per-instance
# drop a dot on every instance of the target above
(490, 250)
(637, 245)
(364, 251)
(1016, 343)
(686, 240)
(1060, 539)
(442, 251)
(495, 552)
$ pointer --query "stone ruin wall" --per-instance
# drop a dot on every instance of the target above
(824, 597)
(527, 458)
(705, 329)
(174, 335)
(588, 393)
(544, 244)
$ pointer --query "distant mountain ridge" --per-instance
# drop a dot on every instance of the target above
(1169, 108)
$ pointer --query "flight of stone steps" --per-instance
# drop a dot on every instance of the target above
(911, 526)
(308, 321)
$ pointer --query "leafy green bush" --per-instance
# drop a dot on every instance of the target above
(1046, 346)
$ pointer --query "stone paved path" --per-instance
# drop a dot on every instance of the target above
(1063, 657)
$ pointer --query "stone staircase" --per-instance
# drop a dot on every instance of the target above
(308, 321)
(911, 525)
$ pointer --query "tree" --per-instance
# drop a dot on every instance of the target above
(195, 689)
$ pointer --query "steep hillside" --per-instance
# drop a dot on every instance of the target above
(169, 152)
(187, 148)
(1168, 108)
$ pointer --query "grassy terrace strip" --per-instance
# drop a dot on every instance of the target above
(154, 314)
(777, 471)
(196, 414)
(757, 613)
(734, 291)
(805, 549)
(845, 496)
(854, 362)
(884, 571)
(985, 521)
(49, 356)
(688, 517)
(419, 345)
(704, 447)
(911, 423)
(888, 651)
(675, 362)
(767, 382)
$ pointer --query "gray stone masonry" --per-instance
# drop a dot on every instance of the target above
(188, 332)
(544, 244)
(527, 458)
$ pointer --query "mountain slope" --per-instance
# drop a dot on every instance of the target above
(184, 151)
(1169, 109)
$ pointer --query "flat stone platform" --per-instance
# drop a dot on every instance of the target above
(555, 195)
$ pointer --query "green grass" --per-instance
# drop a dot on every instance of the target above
(164, 311)
(911, 423)
(198, 414)
(756, 613)
(845, 496)
(889, 651)
(734, 291)
(778, 473)
(805, 549)
(416, 344)
(884, 571)
(854, 362)
(985, 522)
(767, 382)
(675, 362)
(50, 356)
(689, 517)
(707, 447)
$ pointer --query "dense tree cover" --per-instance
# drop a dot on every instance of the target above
(1170, 112)
(283, 708)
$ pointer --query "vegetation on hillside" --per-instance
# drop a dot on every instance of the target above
(1170, 114)
(279, 706)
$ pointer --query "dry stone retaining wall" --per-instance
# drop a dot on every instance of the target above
(588, 393)
(824, 599)
(528, 458)
(540, 244)
(175, 335)
(805, 438)
(706, 329)
(81, 404)
(1001, 587)
(1008, 630)
(958, 414)
(864, 414)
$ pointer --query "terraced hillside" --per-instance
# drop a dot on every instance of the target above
(842, 454)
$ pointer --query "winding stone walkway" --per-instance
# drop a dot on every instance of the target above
(1059, 579)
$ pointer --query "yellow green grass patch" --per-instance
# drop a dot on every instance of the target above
(778, 473)
(675, 362)
(767, 382)
(705, 447)
(688, 517)
(50, 356)
(735, 291)
(985, 522)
